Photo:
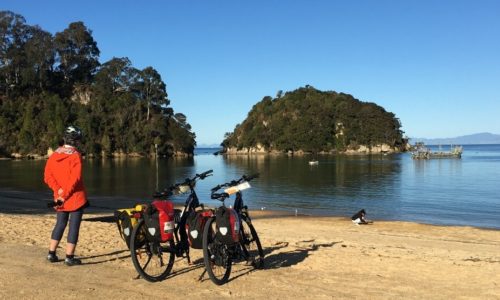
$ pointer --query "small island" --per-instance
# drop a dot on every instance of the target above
(308, 120)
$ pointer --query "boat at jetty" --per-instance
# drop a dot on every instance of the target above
(420, 151)
(313, 162)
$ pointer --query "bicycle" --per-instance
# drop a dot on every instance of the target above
(153, 259)
(218, 252)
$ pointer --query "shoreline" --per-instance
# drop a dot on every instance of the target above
(34, 203)
(321, 258)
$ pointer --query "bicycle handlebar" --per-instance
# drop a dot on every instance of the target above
(204, 174)
(219, 195)
(233, 183)
(188, 181)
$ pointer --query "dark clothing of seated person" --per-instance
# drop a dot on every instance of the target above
(359, 217)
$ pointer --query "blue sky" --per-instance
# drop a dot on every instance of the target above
(435, 64)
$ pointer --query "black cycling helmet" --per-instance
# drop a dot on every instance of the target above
(72, 134)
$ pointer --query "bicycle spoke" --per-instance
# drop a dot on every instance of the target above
(149, 265)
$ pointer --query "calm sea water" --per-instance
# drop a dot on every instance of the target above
(392, 187)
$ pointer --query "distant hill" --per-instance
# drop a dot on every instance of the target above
(471, 139)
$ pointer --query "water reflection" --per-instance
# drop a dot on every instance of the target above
(447, 191)
(137, 177)
(290, 182)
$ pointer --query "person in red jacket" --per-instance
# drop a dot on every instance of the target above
(63, 174)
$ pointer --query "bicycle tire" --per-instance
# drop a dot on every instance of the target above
(148, 257)
(215, 255)
(250, 243)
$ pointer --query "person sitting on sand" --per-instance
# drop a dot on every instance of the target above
(360, 218)
(63, 174)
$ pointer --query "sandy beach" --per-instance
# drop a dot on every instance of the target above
(306, 258)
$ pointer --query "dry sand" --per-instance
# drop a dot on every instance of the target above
(306, 258)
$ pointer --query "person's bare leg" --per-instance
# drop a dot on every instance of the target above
(53, 245)
(70, 249)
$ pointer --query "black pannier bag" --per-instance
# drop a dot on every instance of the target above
(195, 224)
(194, 229)
(228, 225)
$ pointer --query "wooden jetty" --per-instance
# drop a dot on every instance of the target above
(422, 152)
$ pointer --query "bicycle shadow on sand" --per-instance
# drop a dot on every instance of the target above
(197, 264)
(294, 257)
(284, 259)
(247, 269)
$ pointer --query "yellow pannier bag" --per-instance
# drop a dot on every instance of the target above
(126, 219)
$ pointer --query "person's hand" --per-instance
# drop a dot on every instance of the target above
(60, 192)
(57, 201)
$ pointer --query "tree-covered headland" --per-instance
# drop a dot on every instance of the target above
(49, 81)
(309, 120)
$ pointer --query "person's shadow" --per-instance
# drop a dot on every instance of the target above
(107, 257)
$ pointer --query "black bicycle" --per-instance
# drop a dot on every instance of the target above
(152, 259)
(219, 252)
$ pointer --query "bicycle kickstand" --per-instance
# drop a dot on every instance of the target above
(202, 274)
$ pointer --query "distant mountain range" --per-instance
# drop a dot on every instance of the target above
(208, 146)
(477, 138)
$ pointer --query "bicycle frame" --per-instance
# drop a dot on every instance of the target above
(218, 252)
(180, 236)
(181, 244)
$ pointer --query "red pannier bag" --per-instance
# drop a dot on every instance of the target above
(159, 220)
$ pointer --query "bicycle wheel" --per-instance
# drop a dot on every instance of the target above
(215, 255)
(151, 260)
(250, 244)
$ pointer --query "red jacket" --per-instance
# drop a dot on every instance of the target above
(64, 171)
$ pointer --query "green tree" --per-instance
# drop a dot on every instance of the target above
(77, 53)
(48, 82)
(40, 55)
(25, 134)
(13, 36)
(152, 90)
